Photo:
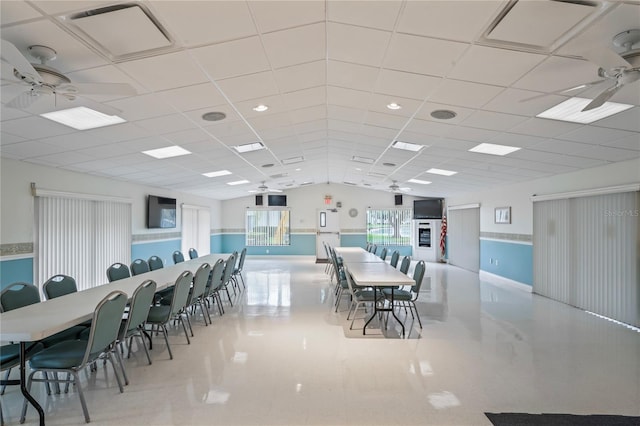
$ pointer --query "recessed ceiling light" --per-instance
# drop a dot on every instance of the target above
(248, 147)
(275, 190)
(238, 182)
(167, 152)
(441, 172)
(214, 116)
(404, 188)
(218, 173)
(364, 160)
(493, 149)
(421, 182)
(82, 118)
(407, 146)
(358, 169)
(298, 169)
(571, 110)
(394, 106)
(293, 160)
(260, 108)
(266, 166)
(443, 114)
(389, 164)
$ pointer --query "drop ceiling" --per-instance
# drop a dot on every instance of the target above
(327, 71)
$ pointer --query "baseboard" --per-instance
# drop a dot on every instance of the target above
(500, 280)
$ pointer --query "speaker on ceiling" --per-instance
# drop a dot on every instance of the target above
(398, 198)
(258, 200)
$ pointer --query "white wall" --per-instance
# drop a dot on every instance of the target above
(518, 195)
(17, 207)
(305, 201)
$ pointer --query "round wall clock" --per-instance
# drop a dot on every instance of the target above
(353, 212)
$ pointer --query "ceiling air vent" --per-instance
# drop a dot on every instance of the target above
(121, 32)
(540, 26)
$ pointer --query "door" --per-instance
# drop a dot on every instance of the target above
(328, 231)
(463, 237)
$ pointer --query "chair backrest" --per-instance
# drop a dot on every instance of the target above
(177, 256)
(17, 295)
(155, 263)
(180, 292)
(338, 269)
(215, 277)
(229, 265)
(139, 306)
(59, 285)
(118, 271)
(350, 283)
(243, 254)
(200, 280)
(105, 325)
(418, 275)
(139, 266)
(383, 253)
(395, 257)
(193, 253)
(404, 265)
(374, 248)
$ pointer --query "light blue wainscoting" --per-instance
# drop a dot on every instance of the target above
(216, 243)
(15, 270)
(161, 248)
(512, 260)
(301, 244)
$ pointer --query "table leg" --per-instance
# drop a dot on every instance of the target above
(375, 311)
(23, 383)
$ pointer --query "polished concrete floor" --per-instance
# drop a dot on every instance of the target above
(281, 356)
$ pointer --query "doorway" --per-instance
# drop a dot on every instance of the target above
(463, 236)
(327, 231)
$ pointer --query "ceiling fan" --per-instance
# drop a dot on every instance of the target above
(264, 188)
(42, 79)
(394, 187)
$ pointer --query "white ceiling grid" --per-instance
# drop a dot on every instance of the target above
(327, 70)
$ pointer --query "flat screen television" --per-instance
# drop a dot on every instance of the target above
(277, 200)
(430, 208)
(161, 212)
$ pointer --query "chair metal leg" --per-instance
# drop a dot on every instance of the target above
(184, 328)
(24, 403)
(204, 308)
(110, 355)
(228, 295)
(166, 339)
(6, 377)
(144, 346)
(121, 363)
(417, 315)
(188, 321)
(81, 396)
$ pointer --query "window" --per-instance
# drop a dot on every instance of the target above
(267, 228)
(389, 226)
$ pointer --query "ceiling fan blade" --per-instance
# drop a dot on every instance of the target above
(602, 97)
(603, 57)
(24, 100)
(124, 89)
(12, 55)
(564, 91)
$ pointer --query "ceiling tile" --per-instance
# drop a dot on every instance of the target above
(461, 93)
(347, 98)
(626, 120)
(306, 98)
(34, 128)
(422, 55)
(193, 97)
(609, 154)
(561, 147)
(544, 128)
(278, 15)
(141, 107)
(29, 149)
(13, 11)
(343, 113)
(522, 102)
(487, 65)
(202, 22)
(233, 58)
(166, 124)
(407, 85)
(165, 72)
(453, 20)
(295, 46)
(351, 76)
(493, 120)
(252, 86)
(595, 135)
(358, 45)
(556, 73)
(372, 14)
(301, 76)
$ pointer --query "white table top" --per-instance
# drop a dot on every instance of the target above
(378, 275)
(357, 254)
(40, 320)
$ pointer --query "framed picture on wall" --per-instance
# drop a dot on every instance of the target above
(502, 215)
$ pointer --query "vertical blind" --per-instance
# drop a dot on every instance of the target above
(389, 226)
(196, 229)
(81, 238)
(463, 238)
(267, 228)
(585, 253)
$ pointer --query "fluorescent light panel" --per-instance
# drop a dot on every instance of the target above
(571, 110)
(364, 160)
(218, 173)
(493, 149)
(167, 152)
(293, 160)
(248, 147)
(421, 182)
(238, 182)
(441, 172)
(82, 118)
(407, 146)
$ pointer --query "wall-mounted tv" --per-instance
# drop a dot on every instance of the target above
(161, 212)
(430, 208)
(277, 200)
